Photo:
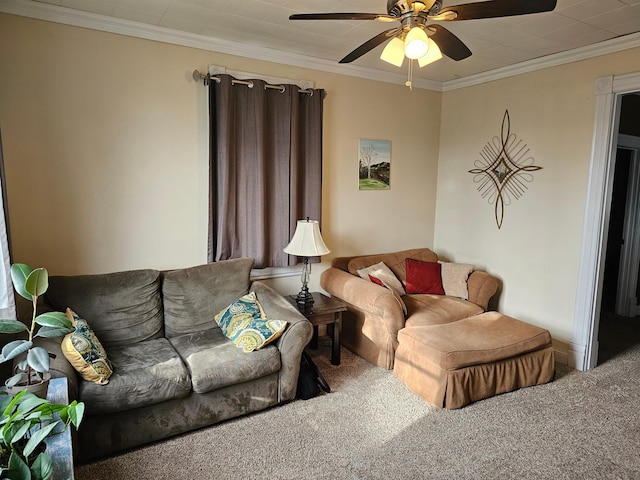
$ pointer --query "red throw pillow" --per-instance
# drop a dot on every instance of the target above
(376, 280)
(424, 277)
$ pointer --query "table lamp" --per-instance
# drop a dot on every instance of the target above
(306, 242)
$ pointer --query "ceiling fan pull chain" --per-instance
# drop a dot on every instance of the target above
(409, 82)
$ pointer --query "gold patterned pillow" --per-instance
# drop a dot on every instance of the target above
(85, 352)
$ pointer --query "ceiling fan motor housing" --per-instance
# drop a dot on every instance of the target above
(399, 8)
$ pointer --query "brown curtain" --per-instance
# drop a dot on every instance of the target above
(265, 168)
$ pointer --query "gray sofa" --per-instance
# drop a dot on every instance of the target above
(174, 370)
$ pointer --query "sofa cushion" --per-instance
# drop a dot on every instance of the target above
(214, 362)
(437, 309)
(85, 352)
(146, 373)
(122, 308)
(192, 296)
(454, 279)
(424, 277)
(395, 261)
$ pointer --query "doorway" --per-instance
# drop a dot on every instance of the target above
(619, 320)
(608, 94)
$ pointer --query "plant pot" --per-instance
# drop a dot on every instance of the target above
(38, 387)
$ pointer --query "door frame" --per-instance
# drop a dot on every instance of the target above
(583, 349)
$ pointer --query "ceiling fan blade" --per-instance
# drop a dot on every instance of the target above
(449, 44)
(495, 8)
(341, 16)
(371, 44)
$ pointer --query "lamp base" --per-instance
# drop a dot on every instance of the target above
(304, 301)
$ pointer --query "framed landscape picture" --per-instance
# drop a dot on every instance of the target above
(374, 164)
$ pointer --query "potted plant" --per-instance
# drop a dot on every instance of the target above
(26, 421)
(32, 370)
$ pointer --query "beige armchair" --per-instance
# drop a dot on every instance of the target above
(374, 318)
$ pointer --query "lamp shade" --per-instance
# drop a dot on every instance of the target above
(307, 241)
(393, 53)
(416, 43)
(432, 55)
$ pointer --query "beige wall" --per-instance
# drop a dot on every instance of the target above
(106, 155)
(105, 142)
(536, 253)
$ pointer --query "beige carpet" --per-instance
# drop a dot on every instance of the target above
(584, 425)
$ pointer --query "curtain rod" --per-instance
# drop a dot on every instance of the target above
(197, 76)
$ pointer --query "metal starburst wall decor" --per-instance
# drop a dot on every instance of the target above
(504, 169)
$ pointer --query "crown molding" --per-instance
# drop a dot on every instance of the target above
(78, 18)
(603, 48)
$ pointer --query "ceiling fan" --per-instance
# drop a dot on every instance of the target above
(422, 41)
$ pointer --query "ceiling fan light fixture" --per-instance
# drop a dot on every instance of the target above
(393, 53)
(416, 43)
(433, 54)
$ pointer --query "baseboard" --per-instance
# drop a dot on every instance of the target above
(561, 351)
(562, 358)
(577, 356)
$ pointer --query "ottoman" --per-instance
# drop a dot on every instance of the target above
(453, 364)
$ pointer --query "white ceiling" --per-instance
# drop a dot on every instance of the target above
(495, 43)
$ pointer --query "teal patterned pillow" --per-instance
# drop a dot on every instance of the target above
(245, 324)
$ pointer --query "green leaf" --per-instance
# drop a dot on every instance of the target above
(38, 359)
(15, 379)
(19, 274)
(31, 402)
(76, 412)
(42, 467)
(12, 326)
(54, 319)
(37, 282)
(38, 437)
(50, 332)
(13, 402)
(18, 469)
(18, 434)
(15, 348)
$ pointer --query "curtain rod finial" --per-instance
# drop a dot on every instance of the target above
(197, 76)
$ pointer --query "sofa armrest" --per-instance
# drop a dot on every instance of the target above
(291, 343)
(482, 286)
(374, 300)
(60, 366)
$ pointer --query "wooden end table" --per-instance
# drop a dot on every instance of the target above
(326, 311)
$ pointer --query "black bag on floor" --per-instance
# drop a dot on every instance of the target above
(310, 380)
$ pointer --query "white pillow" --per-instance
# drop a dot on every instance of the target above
(454, 278)
(395, 294)
(385, 275)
